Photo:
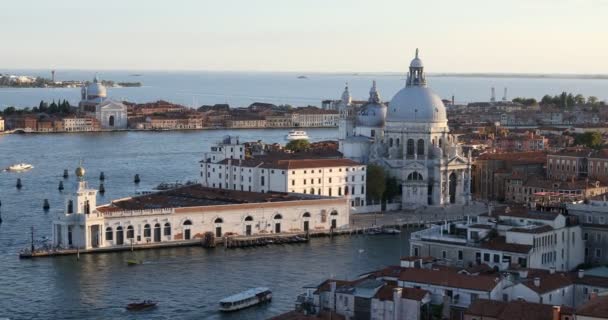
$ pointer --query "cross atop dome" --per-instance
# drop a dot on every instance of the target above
(416, 75)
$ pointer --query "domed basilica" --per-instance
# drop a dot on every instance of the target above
(95, 102)
(409, 137)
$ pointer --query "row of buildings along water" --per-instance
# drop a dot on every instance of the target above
(513, 256)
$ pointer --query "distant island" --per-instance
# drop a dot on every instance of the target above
(25, 81)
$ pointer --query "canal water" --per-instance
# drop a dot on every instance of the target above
(187, 282)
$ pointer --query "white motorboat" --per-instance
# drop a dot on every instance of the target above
(20, 167)
(296, 135)
(246, 299)
(391, 231)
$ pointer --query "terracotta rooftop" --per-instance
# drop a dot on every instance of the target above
(197, 195)
(386, 293)
(415, 258)
(448, 277)
(573, 152)
(597, 307)
(548, 282)
(295, 315)
(517, 157)
(521, 212)
(289, 164)
(513, 310)
(536, 230)
(500, 244)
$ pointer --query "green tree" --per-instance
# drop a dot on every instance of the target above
(592, 100)
(589, 139)
(376, 182)
(546, 100)
(392, 189)
(298, 145)
(579, 99)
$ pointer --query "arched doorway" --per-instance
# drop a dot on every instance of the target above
(120, 239)
(218, 227)
(306, 224)
(187, 232)
(334, 219)
(111, 121)
(157, 233)
(277, 223)
(248, 222)
(452, 187)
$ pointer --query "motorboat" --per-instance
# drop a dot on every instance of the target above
(391, 231)
(246, 299)
(296, 135)
(139, 306)
(20, 167)
(134, 262)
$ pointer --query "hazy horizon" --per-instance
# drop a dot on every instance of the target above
(471, 36)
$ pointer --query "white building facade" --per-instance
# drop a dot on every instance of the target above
(226, 167)
(192, 212)
(94, 101)
(411, 139)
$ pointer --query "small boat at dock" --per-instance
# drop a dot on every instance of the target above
(390, 231)
(296, 135)
(139, 306)
(19, 167)
(246, 299)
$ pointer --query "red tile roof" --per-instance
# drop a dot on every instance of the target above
(596, 307)
(548, 282)
(448, 277)
(500, 244)
(513, 310)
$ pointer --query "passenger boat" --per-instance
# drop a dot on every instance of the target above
(246, 299)
(20, 167)
(144, 305)
(133, 262)
(296, 135)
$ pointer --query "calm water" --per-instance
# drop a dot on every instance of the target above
(187, 282)
(240, 88)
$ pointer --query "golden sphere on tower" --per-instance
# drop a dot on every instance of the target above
(80, 172)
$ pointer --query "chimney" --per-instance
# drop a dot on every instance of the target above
(557, 310)
(581, 273)
(537, 282)
(332, 286)
(397, 294)
(523, 274)
(593, 295)
(552, 270)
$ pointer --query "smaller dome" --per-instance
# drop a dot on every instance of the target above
(96, 89)
(372, 115)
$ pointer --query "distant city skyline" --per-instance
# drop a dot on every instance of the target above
(470, 36)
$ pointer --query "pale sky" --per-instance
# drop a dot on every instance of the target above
(514, 36)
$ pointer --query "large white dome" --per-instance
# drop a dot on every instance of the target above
(96, 89)
(416, 104)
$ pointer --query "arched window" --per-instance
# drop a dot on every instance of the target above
(398, 142)
(119, 236)
(433, 141)
(334, 213)
(420, 147)
(111, 121)
(167, 229)
(109, 234)
(219, 220)
(87, 207)
(130, 232)
(390, 142)
(319, 191)
(312, 190)
(306, 215)
(440, 142)
(346, 190)
(339, 191)
(187, 223)
(414, 176)
(70, 206)
(278, 216)
(249, 218)
(410, 147)
(147, 232)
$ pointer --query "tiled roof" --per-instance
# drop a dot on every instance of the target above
(595, 281)
(514, 310)
(596, 307)
(539, 229)
(548, 282)
(449, 278)
(500, 244)
(518, 157)
(197, 195)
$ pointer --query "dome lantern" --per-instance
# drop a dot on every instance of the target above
(416, 75)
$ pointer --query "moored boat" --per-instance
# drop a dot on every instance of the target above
(144, 305)
(296, 135)
(20, 167)
(246, 299)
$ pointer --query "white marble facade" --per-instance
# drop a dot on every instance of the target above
(410, 138)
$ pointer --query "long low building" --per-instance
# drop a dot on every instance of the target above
(187, 213)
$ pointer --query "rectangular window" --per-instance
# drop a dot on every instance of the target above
(444, 254)
(496, 258)
(486, 257)
(262, 180)
(293, 182)
(460, 255)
